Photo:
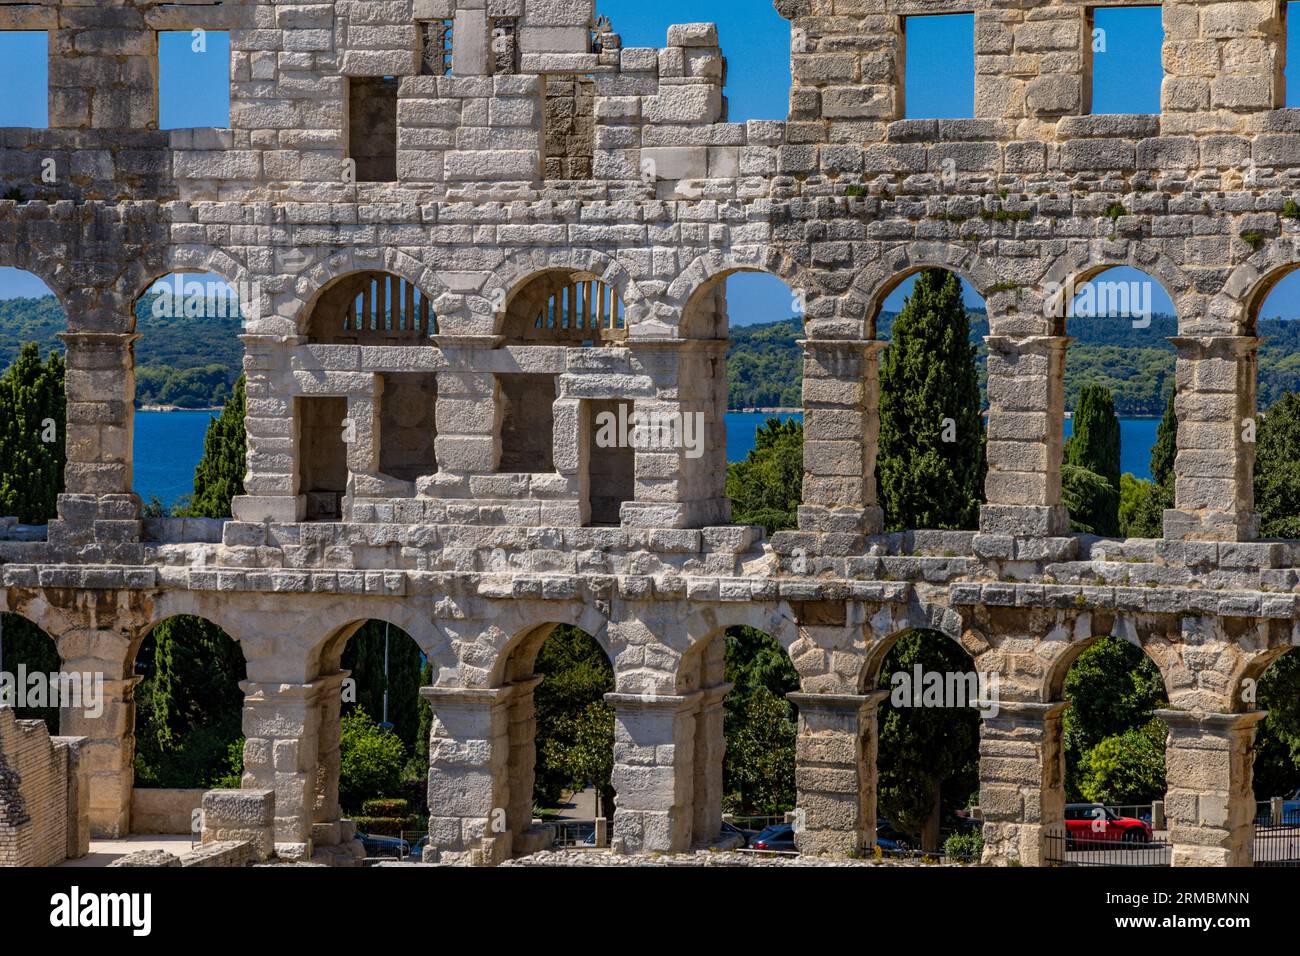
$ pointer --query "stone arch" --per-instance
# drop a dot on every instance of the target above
(33, 257)
(872, 285)
(1236, 308)
(140, 277)
(213, 606)
(519, 268)
(313, 281)
(1072, 636)
(1085, 261)
(892, 621)
(706, 622)
(532, 625)
(342, 620)
(710, 268)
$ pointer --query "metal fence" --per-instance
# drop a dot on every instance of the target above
(1063, 848)
(1277, 834)
(573, 833)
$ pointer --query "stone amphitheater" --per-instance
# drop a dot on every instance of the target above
(465, 229)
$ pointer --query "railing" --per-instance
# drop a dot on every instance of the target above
(1127, 849)
(1277, 833)
(572, 833)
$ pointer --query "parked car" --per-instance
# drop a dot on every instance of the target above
(1092, 823)
(777, 837)
(889, 838)
(1291, 807)
(384, 846)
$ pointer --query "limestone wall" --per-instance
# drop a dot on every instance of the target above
(164, 810)
(43, 795)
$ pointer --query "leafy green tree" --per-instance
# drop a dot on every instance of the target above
(1128, 767)
(24, 644)
(364, 657)
(928, 757)
(758, 724)
(219, 476)
(33, 440)
(573, 720)
(1133, 494)
(1113, 687)
(1277, 741)
(931, 463)
(1148, 512)
(1092, 503)
(370, 761)
(767, 487)
(189, 706)
(1277, 469)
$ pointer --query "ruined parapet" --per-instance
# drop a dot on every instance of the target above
(241, 816)
(44, 795)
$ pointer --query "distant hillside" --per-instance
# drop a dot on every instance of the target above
(764, 364)
(187, 362)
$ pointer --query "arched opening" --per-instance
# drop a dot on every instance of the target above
(1114, 754)
(1276, 769)
(927, 758)
(1117, 471)
(746, 381)
(378, 440)
(33, 406)
(188, 721)
(373, 758)
(28, 658)
(561, 759)
(554, 311)
(188, 361)
(1272, 318)
(931, 458)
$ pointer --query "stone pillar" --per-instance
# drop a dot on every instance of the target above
(1026, 389)
(835, 771)
(1209, 795)
(1214, 496)
(281, 753)
(271, 431)
(468, 440)
(522, 769)
(654, 772)
(98, 504)
(841, 407)
(326, 829)
(108, 750)
(469, 774)
(710, 749)
(1022, 781)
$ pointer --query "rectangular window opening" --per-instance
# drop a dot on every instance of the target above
(372, 127)
(407, 426)
(436, 47)
(939, 66)
(528, 423)
(323, 456)
(1124, 52)
(25, 79)
(611, 465)
(193, 79)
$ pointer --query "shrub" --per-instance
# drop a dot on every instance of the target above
(385, 807)
(964, 847)
(370, 760)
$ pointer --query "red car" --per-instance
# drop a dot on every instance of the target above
(1091, 822)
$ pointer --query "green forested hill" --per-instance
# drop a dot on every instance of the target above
(179, 361)
(1136, 364)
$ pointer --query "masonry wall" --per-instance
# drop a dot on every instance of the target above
(42, 795)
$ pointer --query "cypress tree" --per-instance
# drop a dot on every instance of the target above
(1277, 470)
(1095, 442)
(1148, 518)
(220, 472)
(931, 464)
(33, 440)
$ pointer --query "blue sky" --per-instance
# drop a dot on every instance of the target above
(939, 78)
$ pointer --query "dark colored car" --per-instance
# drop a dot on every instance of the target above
(384, 846)
(778, 837)
(745, 835)
(1291, 808)
(1091, 823)
(889, 838)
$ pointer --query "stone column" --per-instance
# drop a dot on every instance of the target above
(1209, 795)
(271, 432)
(469, 774)
(1026, 389)
(1022, 781)
(835, 771)
(98, 503)
(841, 407)
(1214, 496)
(108, 750)
(654, 772)
(326, 829)
(522, 769)
(468, 441)
(281, 753)
(710, 749)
